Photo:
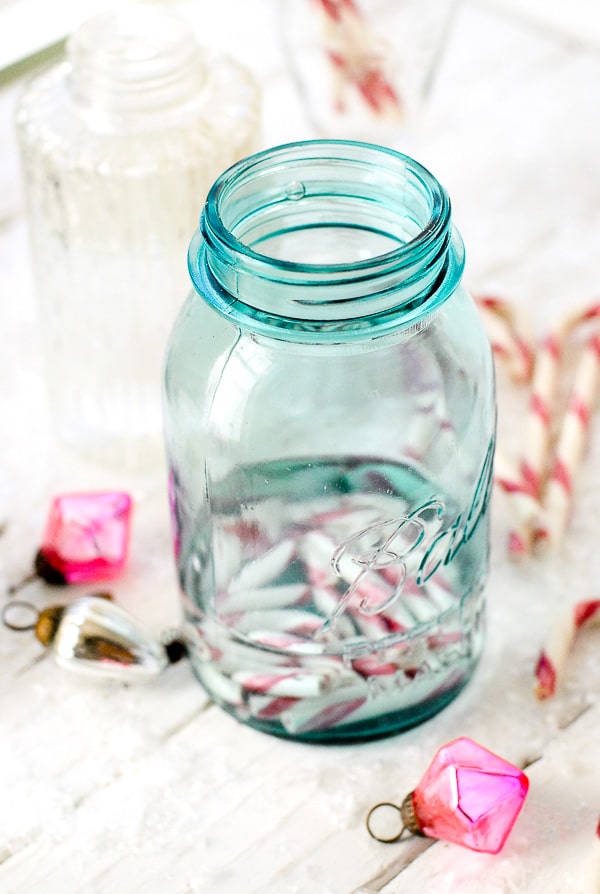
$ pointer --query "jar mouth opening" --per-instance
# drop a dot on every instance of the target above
(322, 186)
(323, 234)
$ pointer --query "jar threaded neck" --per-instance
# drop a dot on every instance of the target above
(321, 233)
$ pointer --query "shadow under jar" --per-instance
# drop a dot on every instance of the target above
(330, 423)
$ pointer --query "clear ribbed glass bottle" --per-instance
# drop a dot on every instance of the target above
(119, 146)
(330, 421)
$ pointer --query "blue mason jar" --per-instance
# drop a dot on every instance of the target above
(330, 424)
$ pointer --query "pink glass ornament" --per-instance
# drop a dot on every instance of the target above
(468, 796)
(87, 536)
(86, 539)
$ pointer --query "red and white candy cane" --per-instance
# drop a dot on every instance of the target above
(543, 397)
(570, 447)
(291, 682)
(525, 509)
(308, 715)
(536, 451)
(355, 57)
(554, 656)
(509, 332)
(544, 387)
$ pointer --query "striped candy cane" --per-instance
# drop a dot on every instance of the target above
(554, 656)
(570, 447)
(266, 707)
(293, 683)
(511, 342)
(541, 406)
(355, 57)
(525, 509)
(509, 332)
(543, 397)
(310, 715)
(536, 452)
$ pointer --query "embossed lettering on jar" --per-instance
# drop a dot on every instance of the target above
(330, 421)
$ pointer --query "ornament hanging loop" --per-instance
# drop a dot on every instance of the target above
(407, 818)
(19, 615)
(384, 840)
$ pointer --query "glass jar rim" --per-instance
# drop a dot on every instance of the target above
(298, 187)
(304, 152)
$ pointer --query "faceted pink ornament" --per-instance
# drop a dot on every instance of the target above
(468, 796)
(86, 537)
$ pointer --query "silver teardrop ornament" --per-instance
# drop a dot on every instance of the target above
(95, 637)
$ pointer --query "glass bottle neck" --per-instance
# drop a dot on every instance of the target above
(131, 64)
(325, 236)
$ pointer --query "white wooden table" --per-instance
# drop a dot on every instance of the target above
(152, 790)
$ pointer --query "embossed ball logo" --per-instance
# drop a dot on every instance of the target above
(415, 545)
